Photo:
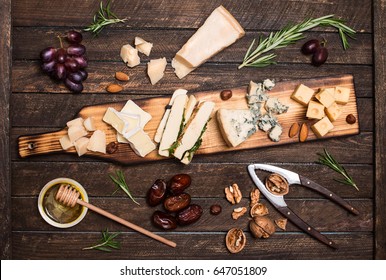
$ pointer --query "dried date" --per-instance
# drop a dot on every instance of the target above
(177, 202)
(179, 183)
(164, 220)
(156, 193)
(189, 215)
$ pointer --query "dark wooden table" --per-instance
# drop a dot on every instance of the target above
(31, 103)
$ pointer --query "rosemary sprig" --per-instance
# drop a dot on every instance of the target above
(107, 241)
(103, 18)
(121, 183)
(328, 160)
(289, 35)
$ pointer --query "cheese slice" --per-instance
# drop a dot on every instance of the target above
(65, 142)
(156, 69)
(97, 142)
(236, 125)
(81, 145)
(193, 131)
(75, 132)
(113, 118)
(130, 55)
(89, 124)
(141, 143)
(219, 31)
(192, 102)
(142, 46)
(75, 122)
(173, 125)
(165, 117)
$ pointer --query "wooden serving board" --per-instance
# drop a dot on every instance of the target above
(212, 140)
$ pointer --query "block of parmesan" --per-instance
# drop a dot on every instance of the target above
(219, 31)
(97, 142)
(142, 46)
(155, 69)
(130, 55)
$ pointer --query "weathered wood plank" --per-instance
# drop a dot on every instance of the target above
(380, 124)
(28, 78)
(5, 90)
(167, 43)
(264, 14)
(209, 180)
(318, 213)
(34, 245)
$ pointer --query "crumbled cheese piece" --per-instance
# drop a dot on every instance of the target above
(275, 106)
(130, 55)
(275, 133)
(142, 46)
(155, 69)
(268, 84)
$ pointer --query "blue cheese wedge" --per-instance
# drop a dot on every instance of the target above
(219, 31)
(192, 135)
(236, 125)
(173, 125)
(275, 133)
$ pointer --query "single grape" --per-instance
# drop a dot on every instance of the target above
(76, 77)
(320, 56)
(82, 61)
(74, 87)
(60, 71)
(77, 50)
(310, 46)
(61, 55)
(84, 74)
(74, 37)
(49, 67)
(48, 54)
(71, 64)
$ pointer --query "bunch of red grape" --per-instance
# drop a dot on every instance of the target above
(67, 64)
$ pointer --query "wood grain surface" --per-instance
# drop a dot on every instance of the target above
(39, 105)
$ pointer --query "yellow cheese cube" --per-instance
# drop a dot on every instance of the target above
(333, 112)
(342, 95)
(315, 110)
(303, 94)
(322, 127)
(325, 97)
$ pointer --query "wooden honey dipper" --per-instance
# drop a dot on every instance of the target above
(69, 196)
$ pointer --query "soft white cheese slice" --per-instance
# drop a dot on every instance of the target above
(97, 142)
(112, 118)
(194, 130)
(133, 124)
(81, 145)
(75, 122)
(141, 143)
(219, 31)
(155, 69)
(173, 125)
(130, 55)
(235, 125)
(89, 124)
(192, 102)
(132, 108)
(143, 46)
(165, 117)
(75, 132)
(65, 142)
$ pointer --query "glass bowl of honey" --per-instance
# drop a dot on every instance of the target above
(57, 214)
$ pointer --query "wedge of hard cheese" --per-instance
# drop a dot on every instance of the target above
(219, 31)
(191, 138)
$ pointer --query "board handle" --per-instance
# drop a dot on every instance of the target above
(40, 143)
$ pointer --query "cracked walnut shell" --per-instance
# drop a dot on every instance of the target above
(233, 194)
(259, 209)
(235, 240)
(277, 184)
(281, 223)
(238, 212)
(261, 227)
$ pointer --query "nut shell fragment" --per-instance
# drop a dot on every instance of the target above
(281, 223)
(261, 227)
(233, 194)
(238, 212)
(277, 184)
(235, 240)
(259, 209)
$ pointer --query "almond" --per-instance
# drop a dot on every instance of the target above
(113, 88)
(303, 132)
(293, 130)
(120, 76)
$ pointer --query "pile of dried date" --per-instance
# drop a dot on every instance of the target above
(260, 225)
(178, 210)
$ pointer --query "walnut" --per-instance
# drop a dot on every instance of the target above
(238, 212)
(277, 184)
(259, 209)
(235, 240)
(233, 194)
(281, 223)
(255, 196)
(261, 227)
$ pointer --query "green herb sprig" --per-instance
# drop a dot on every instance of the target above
(106, 243)
(328, 160)
(103, 18)
(290, 35)
(120, 182)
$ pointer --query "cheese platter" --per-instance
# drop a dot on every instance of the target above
(212, 140)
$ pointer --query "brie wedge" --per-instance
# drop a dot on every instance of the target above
(97, 142)
(219, 31)
(193, 132)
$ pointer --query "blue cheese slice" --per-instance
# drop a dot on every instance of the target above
(274, 105)
(275, 133)
(236, 125)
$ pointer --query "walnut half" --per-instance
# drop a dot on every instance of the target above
(255, 196)
(233, 194)
(238, 212)
(277, 184)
